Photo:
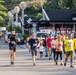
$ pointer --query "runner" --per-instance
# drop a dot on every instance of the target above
(54, 48)
(49, 45)
(12, 38)
(45, 45)
(41, 49)
(33, 45)
(59, 50)
(40, 40)
(69, 44)
(75, 45)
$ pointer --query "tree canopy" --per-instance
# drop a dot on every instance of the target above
(2, 13)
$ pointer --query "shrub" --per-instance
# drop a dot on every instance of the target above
(25, 36)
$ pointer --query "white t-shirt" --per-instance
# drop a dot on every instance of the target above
(41, 48)
(53, 44)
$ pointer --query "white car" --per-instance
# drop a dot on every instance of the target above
(40, 34)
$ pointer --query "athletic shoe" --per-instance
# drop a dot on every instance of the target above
(56, 63)
(12, 62)
(61, 64)
(64, 64)
(49, 58)
(34, 64)
(71, 66)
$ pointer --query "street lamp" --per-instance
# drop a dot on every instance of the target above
(16, 10)
(12, 11)
(22, 6)
(10, 17)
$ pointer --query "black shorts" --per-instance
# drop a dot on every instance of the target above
(12, 47)
(33, 52)
(41, 52)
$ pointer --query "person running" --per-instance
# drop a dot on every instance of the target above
(49, 45)
(59, 50)
(12, 38)
(41, 49)
(45, 45)
(33, 45)
(27, 39)
(54, 48)
(69, 48)
(75, 45)
(40, 40)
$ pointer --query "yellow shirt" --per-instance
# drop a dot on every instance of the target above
(69, 44)
(75, 43)
(65, 43)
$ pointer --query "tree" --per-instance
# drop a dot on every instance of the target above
(3, 13)
(52, 4)
(62, 4)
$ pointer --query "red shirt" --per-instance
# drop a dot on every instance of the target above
(49, 40)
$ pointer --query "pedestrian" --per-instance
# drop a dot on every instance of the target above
(45, 45)
(49, 45)
(75, 45)
(12, 38)
(33, 45)
(69, 49)
(41, 49)
(54, 48)
(59, 49)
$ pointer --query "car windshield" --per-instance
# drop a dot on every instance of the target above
(40, 34)
(20, 35)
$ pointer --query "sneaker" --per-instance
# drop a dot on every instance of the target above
(56, 63)
(64, 64)
(12, 62)
(49, 58)
(34, 64)
(71, 66)
(61, 64)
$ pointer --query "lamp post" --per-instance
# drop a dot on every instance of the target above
(22, 6)
(12, 11)
(10, 17)
(16, 10)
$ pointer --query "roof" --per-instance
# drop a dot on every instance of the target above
(60, 15)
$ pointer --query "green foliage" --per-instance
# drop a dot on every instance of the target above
(25, 36)
(3, 13)
(17, 28)
(9, 27)
(39, 15)
(63, 4)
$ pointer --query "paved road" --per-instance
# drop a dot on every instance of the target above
(23, 64)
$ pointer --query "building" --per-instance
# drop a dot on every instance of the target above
(60, 20)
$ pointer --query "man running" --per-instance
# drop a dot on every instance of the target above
(33, 45)
(49, 45)
(12, 38)
(69, 48)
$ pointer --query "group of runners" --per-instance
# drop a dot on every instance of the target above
(54, 47)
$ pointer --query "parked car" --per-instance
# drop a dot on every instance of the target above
(22, 41)
(6, 36)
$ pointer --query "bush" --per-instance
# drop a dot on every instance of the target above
(39, 15)
(25, 36)
(17, 28)
(9, 27)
